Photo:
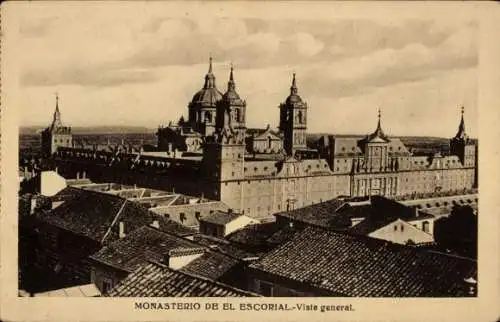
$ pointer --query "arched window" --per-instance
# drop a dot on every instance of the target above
(299, 117)
(208, 117)
(269, 142)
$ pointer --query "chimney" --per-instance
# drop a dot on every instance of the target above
(57, 170)
(84, 174)
(155, 224)
(122, 234)
(355, 221)
(179, 257)
(77, 175)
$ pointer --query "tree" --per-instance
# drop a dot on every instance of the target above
(458, 232)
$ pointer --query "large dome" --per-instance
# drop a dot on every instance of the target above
(207, 96)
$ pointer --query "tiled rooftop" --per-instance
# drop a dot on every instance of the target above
(337, 214)
(359, 266)
(97, 215)
(220, 217)
(334, 213)
(212, 265)
(141, 245)
(261, 238)
(320, 214)
(156, 280)
(386, 211)
(224, 246)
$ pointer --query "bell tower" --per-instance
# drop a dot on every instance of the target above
(56, 135)
(462, 146)
(293, 121)
(224, 151)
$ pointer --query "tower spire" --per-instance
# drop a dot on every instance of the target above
(57, 102)
(379, 127)
(461, 127)
(209, 77)
(231, 85)
(379, 133)
(293, 88)
(56, 122)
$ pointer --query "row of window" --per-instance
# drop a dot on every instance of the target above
(61, 141)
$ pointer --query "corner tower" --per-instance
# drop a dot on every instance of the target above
(56, 135)
(202, 108)
(224, 151)
(293, 121)
(462, 146)
(231, 113)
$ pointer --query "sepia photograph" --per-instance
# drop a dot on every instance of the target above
(214, 153)
(288, 158)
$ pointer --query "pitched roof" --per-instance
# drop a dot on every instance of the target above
(156, 280)
(261, 134)
(220, 217)
(211, 265)
(320, 214)
(261, 238)
(386, 211)
(141, 245)
(359, 266)
(90, 214)
(66, 194)
(96, 215)
(224, 246)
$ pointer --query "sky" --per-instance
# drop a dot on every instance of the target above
(140, 65)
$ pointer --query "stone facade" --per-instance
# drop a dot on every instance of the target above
(225, 170)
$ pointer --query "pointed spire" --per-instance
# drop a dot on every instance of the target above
(210, 77)
(57, 102)
(461, 127)
(293, 88)
(231, 85)
(379, 127)
(378, 131)
(56, 122)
